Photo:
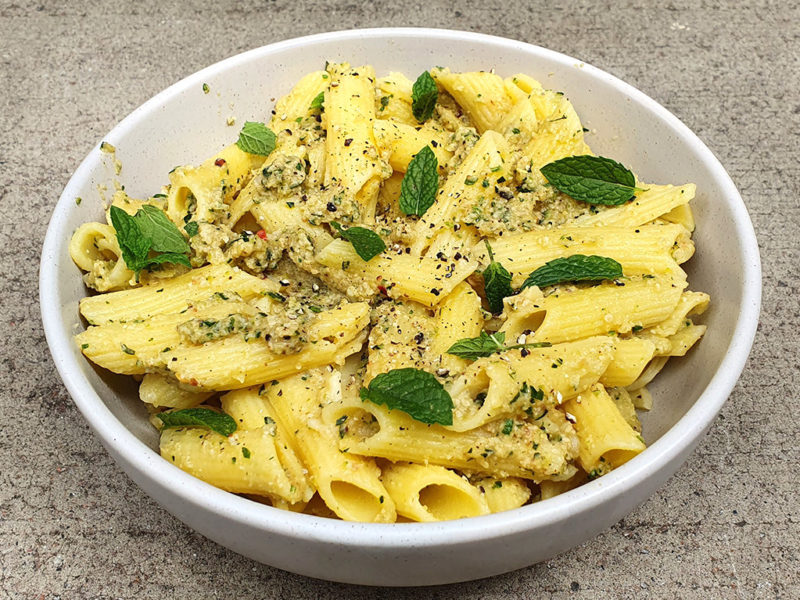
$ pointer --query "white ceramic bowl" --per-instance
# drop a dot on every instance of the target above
(184, 125)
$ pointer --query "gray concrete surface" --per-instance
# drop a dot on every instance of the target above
(71, 523)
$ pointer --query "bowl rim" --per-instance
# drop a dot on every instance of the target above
(140, 458)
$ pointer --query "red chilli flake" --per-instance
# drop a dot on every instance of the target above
(219, 162)
(262, 234)
(193, 382)
(382, 290)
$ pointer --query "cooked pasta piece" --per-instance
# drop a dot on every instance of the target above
(432, 493)
(349, 484)
(606, 439)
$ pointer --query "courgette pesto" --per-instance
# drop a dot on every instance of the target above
(281, 319)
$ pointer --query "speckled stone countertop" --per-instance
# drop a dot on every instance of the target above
(72, 525)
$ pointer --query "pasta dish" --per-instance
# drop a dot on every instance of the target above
(396, 300)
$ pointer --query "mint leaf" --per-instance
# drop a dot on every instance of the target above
(592, 179)
(366, 243)
(199, 417)
(192, 228)
(149, 230)
(424, 94)
(577, 267)
(318, 103)
(256, 138)
(496, 283)
(414, 392)
(162, 233)
(486, 345)
(475, 348)
(133, 245)
(420, 183)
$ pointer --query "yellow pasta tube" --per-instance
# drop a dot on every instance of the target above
(207, 190)
(596, 310)
(174, 295)
(502, 381)
(648, 249)
(481, 94)
(550, 489)
(690, 303)
(395, 99)
(352, 159)
(458, 316)
(158, 390)
(251, 411)
(401, 142)
(232, 362)
(421, 279)
(94, 248)
(652, 369)
(685, 338)
(606, 439)
(560, 133)
(296, 105)
(631, 356)
(431, 493)
(624, 403)
(537, 452)
(504, 494)
(246, 462)
(654, 201)
(488, 160)
(350, 485)
(682, 215)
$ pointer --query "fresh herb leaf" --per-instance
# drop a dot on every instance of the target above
(486, 345)
(256, 138)
(496, 282)
(424, 94)
(149, 230)
(132, 243)
(414, 392)
(163, 234)
(192, 228)
(318, 103)
(199, 417)
(420, 183)
(366, 242)
(592, 179)
(577, 267)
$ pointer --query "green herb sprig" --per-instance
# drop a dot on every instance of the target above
(219, 422)
(424, 95)
(486, 345)
(366, 242)
(420, 183)
(592, 179)
(577, 267)
(148, 238)
(414, 392)
(256, 138)
(496, 282)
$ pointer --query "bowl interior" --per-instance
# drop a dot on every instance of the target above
(184, 125)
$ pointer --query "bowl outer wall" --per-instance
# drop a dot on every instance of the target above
(399, 554)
